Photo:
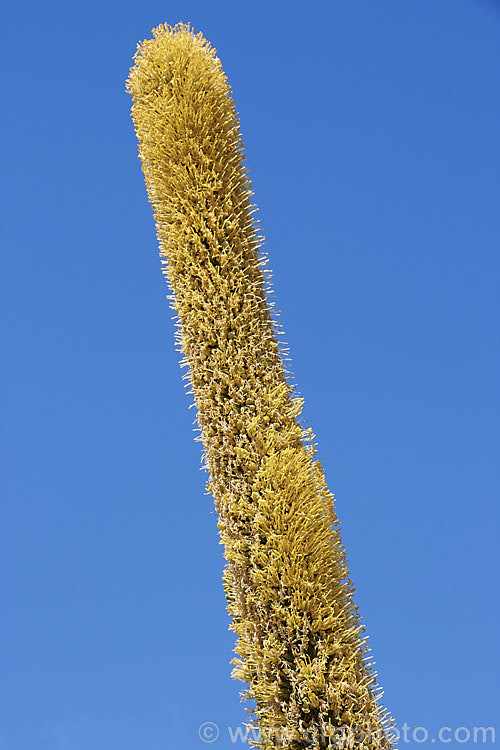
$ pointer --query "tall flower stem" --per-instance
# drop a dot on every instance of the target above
(301, 647)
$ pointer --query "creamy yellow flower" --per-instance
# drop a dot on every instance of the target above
(300, 645)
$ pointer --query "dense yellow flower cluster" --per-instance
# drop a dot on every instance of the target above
(301, 647)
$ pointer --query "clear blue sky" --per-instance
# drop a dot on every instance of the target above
(372, 135)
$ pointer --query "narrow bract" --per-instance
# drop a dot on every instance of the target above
(301, 646)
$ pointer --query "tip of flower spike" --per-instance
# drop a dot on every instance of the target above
(154, 59)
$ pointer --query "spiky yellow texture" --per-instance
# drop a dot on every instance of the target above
(300, 642)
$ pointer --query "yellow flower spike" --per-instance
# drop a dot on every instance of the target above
(300, 639)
